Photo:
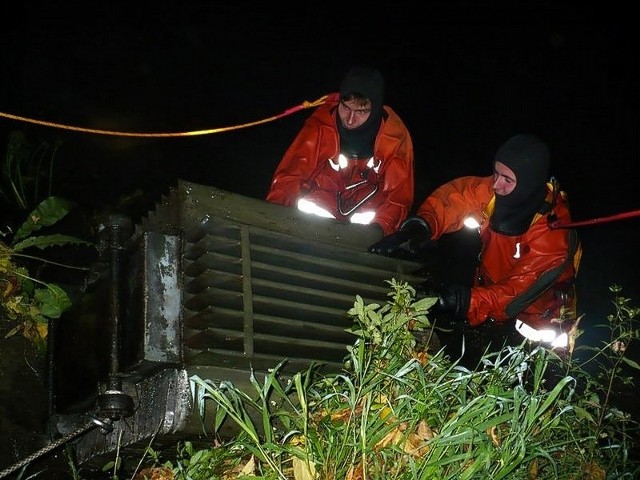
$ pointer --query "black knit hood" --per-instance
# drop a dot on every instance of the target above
(528, 157)
(367, 82)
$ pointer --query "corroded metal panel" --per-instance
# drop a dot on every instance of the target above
(261, 282)
(233, 285)
(162, 297)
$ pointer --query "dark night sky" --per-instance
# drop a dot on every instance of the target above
(464, 76)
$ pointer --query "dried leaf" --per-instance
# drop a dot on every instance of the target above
(424, 431)
(303, 470)
(593, 471)
(249, 467)
(155, 473)
(356, 472)
(492, 432)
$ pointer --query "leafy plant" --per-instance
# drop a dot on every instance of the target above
(607, 370)
(27, 300)
(399, 412)
(26, 165)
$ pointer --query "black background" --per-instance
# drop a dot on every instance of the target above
(464, 76)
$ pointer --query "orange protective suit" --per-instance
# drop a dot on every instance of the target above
(529, 276)
(384, 184)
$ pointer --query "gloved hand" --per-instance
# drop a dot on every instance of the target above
(452, 305)
(413, 236)
(455, 299)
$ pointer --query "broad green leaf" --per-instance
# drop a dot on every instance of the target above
(631, 363)
(45, 241)
(48, 212)
(52, 300)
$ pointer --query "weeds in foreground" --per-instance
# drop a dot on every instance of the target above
(398, 413)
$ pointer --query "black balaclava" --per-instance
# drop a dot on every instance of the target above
(367, 82)
(528, 157)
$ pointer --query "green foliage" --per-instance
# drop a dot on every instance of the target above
(27, 164)
(26, 300)
(50, 211)
(396, 412)
(390, 328)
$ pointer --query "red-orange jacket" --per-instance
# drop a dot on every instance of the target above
(529, 276)
(305, 164)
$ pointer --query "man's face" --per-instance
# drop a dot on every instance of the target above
(354, 113)
(504, 180)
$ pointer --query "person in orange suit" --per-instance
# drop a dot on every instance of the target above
(524, 284)
(352, 160)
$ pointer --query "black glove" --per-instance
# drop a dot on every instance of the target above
(455, 299)
(452, 305)
(413, 236)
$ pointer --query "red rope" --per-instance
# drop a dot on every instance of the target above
(595, 221)
(303, 105)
